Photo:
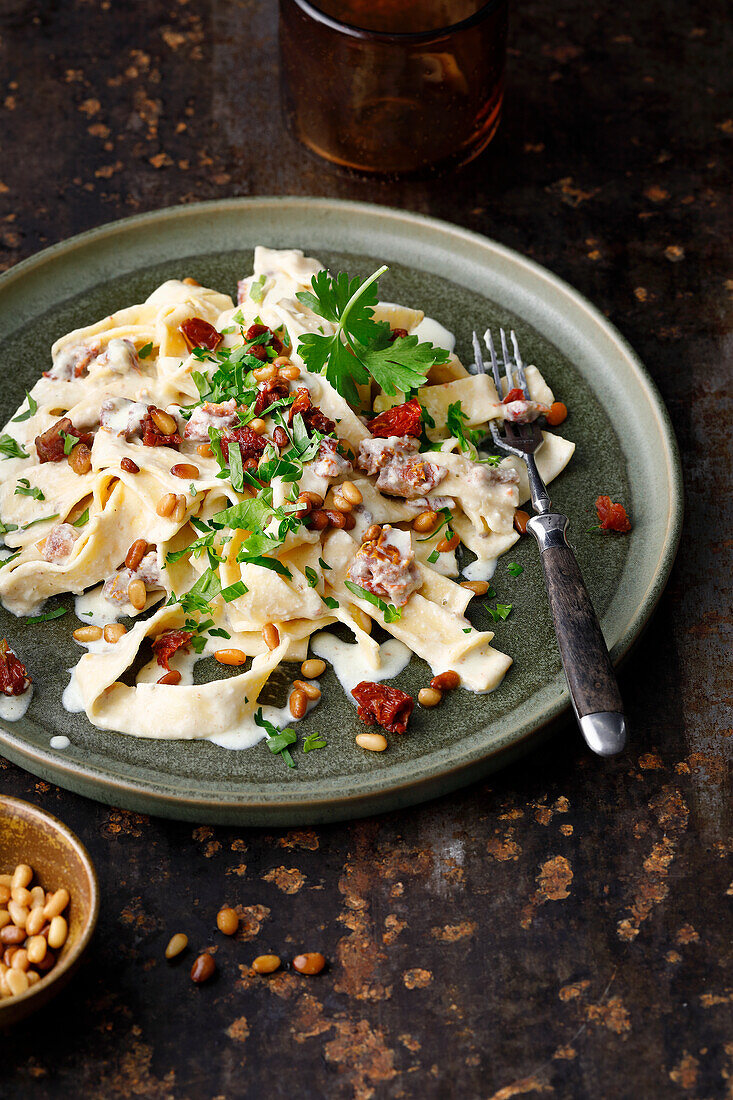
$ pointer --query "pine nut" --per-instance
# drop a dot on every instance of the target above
(35, 922)
(258, 425)
(446, 681)
(20, 959)
(315, 499)
(11, 934)
(170, 678)
(80, 459)
(17, 982)
(313, 668)
(203, 968)
(190, 282)
(136, 553)
(264, 374)
(480, 588)
(18, 913)
(521, 519)
(21, 896)
(48, 961)
(129, 466)
(165, 423)
(7, 880)
(446, 545)
(266, 964)
(227, 921)
(318, 520)
(137, 594)
(33, 976)
(22, 876)
(87, 634)
(362, 620)
(311, 963)
(166, 504)
(180, 509)
(336, 519)
(58, 932)
(341, 503)
(4, 895)
(372, 533)
(281, 361)
(176, 944)
(185, 470)
(425, 522)
(38, 896)
(57, 904)
(350, 522)
(374, 742)
(230, 657)
(352, 494)
(298, 703)
(4, 918)
(113, 632)
(271, 635)
(310, 690)
(291, 373)
(36, 949)
(305, 505)
(204, 449)
(429, 697)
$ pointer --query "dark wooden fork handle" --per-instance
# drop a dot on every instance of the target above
(582, 648)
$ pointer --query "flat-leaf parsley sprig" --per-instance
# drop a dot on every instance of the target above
(361, 347)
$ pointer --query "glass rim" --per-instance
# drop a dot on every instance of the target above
(402, 37)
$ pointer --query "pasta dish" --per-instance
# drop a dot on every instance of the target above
(233, 479)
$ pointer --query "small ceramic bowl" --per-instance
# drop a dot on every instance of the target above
(58, 858)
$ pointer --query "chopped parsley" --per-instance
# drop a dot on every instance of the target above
(57, 614)
(6, 527)
(514, 569)
(145, 351)
(311, 576)
(29, 412)
(391, 613)
(25, 489)
(41, 519)
(11, 448)
(500, 612)
(313, 741)
(361, 347)
(277, 740)
(70, 441)
(257, 289)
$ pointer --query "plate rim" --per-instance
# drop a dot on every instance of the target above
(297, 805)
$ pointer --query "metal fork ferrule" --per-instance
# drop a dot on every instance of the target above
(549, 529)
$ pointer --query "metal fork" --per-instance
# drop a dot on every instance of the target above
(588, 670)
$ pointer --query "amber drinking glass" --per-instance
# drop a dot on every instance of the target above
(393, 86)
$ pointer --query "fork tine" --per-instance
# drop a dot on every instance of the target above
(520, 365)
(478, 356)
(507, 362)
(489, 339)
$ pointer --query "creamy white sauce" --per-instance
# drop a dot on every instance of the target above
(350, 664)
(94, 609)
(434, 333)
(13, 707)
(60, 741)
(249, 733)
(482, 569)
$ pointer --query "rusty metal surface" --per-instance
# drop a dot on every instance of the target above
(563, 931)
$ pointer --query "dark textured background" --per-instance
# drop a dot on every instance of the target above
(564, 930)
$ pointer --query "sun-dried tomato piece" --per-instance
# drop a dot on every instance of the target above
(262, 330)
(514, 395)
(50, 444)
(397, 334)
(387, 706)
(612, 517)
(400, 420)
(272, 390)
(14, 679)
(153, 437)
(200, 334)
(312, 415)
(168, 643)
(250, 443)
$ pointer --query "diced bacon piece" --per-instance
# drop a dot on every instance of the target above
(410, 477)
(120, 356)
(116, 587)
(612, 517)
(148, 570)
(434, 504)
(270, 392)
(399, 420)
(312, 415)
(152, 435)
(523, 412)
(72, 362)
(200, 334)
(386, 566)
(328, 462)
(122, 416)
(14, 679)
(60, 542)
(50, 444)
(485, 476)
(376, 453)
(210, 415)
(250, 443)
(168, 643)
(242, 291)
(389, 707)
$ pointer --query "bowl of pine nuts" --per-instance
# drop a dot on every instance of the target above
(49, 901)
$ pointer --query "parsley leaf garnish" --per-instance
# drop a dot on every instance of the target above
(391, 613)
(47, 615)
(277, 739)
(257, 289)
(360, 347)
(41, 519)
(514, 569)
(145, 351)
(29, 412)
(25, 489)
(313, 741)
(11, 448)
(500, 612)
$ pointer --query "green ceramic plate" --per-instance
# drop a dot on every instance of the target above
(625, 447)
